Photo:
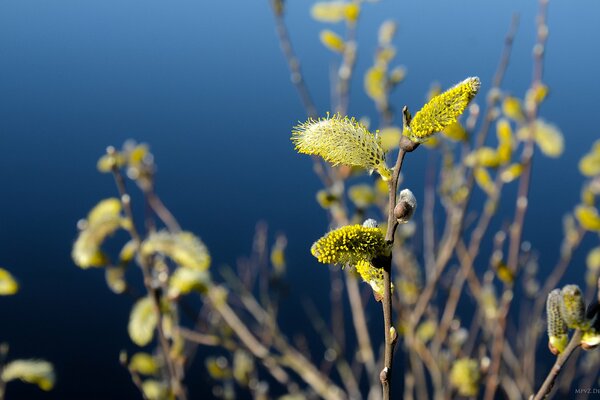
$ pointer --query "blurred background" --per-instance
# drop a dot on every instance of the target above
(205, 84)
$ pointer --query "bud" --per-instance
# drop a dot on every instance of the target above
(557, 329)
(370, 223)
(572, 307)
(591, 337)
(405, 207)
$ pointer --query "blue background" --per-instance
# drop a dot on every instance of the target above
(205, 84)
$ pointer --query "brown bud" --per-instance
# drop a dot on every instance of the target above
(405, 207)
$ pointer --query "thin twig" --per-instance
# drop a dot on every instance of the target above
(546, 387)
(175, 380)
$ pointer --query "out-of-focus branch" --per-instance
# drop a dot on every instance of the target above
(546, 387)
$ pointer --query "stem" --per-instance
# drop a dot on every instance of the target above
(294, 65)
(546, 387)
(175, 379)
(390, 341)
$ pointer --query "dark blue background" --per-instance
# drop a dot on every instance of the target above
(205, 84)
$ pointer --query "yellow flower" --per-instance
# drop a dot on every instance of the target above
(588, 217)
(361, 195)
(335, 11)
(144, 364)
(376, 83)
(547, 136)
(464, 376)
(557, 328)
(183, 247)
(186, 280)
(511, 172)
(349, 245)
(372, 276)
(142, 321)
(341, 140)
(572, 307)
(37, 372)
(8, 284)
(443, 110)
(483, 157)
(484, 180)
(102, 221)
(590, 163)
(390, 137)
(456, 132)
(511, 107)
(332, 41)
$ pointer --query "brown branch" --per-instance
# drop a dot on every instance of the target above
(175, 381)
(546, 387)
(293, 63)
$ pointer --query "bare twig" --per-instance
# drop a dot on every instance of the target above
(546, 387)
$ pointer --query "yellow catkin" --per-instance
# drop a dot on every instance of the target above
(37, 372)
(511, 107)
(341, 140)
(349, 245)
(361, 195)
(375, 83)
(184, 248)
(556, 326)
(329, 11)
(332, 41)
(371, 275)
(465, 376)
(8, 284)
(547, 136)
(443, 110)
(572, 307)
(588, 217)
(589, 165)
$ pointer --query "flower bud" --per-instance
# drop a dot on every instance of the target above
(572, 307)
(405, 207)
(557, 329)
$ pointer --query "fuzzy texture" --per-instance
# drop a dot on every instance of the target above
(557, 328)
(183, 247)
(572, 307)
(443, 110)
(372, 276)
(341, 140)
(465, 376)
(405, 207)
(142, 321)
(37, 372)
(349, 245)
(8, 284)
(102, 221)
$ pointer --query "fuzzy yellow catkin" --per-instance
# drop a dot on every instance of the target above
(184, 248)
(372, 276)
(572, 307)
(556, 326)
(37, 372)
(341, 140)
(142, 321)
(443, 110)
(465, 376)
(332, 41)
(102, 221)
(8, 284)
(349, 245)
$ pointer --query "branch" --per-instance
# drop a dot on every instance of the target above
(546, 387)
